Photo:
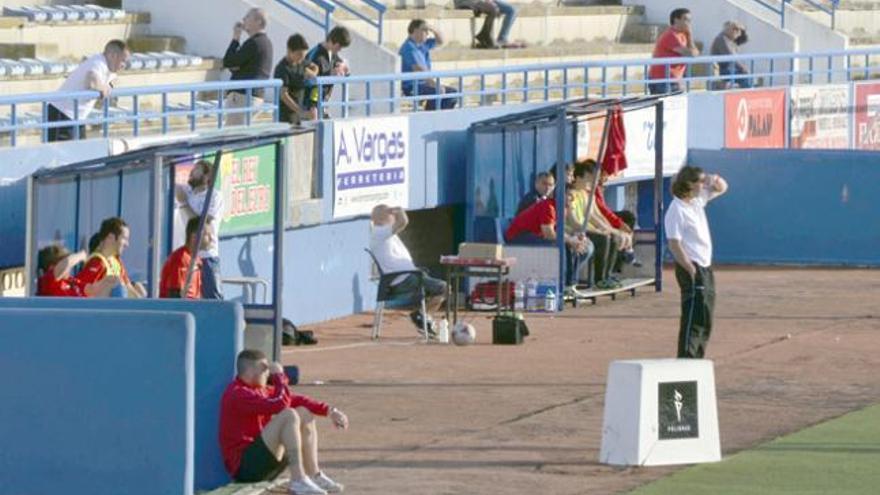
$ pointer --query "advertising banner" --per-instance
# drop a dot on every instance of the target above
(866, 130)
(754, 119)
(370, 164)
(820, 116)
(640, 126)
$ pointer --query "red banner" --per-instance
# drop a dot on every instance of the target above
(867, 116)
(754, 119)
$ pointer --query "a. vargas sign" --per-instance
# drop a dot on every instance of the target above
(370, 164)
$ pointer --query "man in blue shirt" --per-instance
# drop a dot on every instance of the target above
(415, 56)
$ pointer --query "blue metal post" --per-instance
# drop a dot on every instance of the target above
(658, 195)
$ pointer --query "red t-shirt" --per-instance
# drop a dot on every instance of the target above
(245, 411)
(48, 285)
(665, 47)
(609, 215)
(174, 275)
(532, 218)
(96, 268)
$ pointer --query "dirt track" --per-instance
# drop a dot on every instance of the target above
(432, 419)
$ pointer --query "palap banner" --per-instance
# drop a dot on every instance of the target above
(754, 119)
(640, 126)
(370, 164)
(866, 130)
(820, 116)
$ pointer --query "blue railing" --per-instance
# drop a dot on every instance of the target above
(309, 15)
(545, 82)
(376, 23)
(165, 108)
(778, 7)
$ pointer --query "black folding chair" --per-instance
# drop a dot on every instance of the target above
(384, 295)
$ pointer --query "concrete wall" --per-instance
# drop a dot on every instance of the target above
(218, 340)
(97, 402)
(706, 120)
(810, 207)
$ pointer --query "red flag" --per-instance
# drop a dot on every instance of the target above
(614, 160)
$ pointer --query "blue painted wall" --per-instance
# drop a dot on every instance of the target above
(97, 402)
(218, 340)
(793, 206)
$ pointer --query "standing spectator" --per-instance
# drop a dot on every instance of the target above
(676, 41)
(55, 263)
(251, 60)
(265, 428)
(491, 9)
(192, 200)
(104, 266)
(691, 245)
(96, 73)
(544, 184)
(326, 56)
(727, 43)
(415, 56)
(509, 13)
(294, 70)
(176, 267)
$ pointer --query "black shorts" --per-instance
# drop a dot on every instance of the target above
(258, 463)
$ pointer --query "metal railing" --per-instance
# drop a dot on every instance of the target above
(376, 23)
(778, 7)
(382, 93)
(160, 109)
(309, 15)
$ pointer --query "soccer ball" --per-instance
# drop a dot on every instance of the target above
(464, 334)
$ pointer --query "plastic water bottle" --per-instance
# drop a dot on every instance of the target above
(550, 301)
(531, 294)
(443, 333)
(519, 294)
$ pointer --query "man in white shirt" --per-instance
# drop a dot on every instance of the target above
(96, 73)
(192, 200)
(393, 256)
(690, 242)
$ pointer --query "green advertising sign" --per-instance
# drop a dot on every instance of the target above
(247, 185)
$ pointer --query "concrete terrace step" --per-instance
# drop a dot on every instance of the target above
(70, 39)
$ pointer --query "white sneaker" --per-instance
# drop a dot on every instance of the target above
(328, 484)
(305, 486)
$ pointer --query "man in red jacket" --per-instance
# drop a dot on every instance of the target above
(264, 427)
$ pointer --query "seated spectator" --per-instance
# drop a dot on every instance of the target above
(105, 261)
(727, 43)
(676, 41)
(96, 73)
(251, 60)
(393, 256)
(415, 56)
(326, 56)
(606, 239)
(536, 225)
(176, 267)
(294, 70)
(491, 9)
(569, 175)
(55, 263)
(544, 184)
(264, 428)
(623, 221)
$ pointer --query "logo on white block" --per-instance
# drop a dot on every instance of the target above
(677, 410)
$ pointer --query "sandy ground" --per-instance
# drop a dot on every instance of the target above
(484, 419)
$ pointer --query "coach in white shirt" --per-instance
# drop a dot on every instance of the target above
(691, 244)
(191, 198)
(96, 73)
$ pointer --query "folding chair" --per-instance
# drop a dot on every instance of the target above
(384, 296)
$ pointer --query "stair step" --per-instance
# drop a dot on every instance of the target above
(154, 43)
(28, 50)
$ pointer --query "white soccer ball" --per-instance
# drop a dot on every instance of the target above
(464, 334)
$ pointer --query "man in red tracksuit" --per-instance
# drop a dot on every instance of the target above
(264, 427)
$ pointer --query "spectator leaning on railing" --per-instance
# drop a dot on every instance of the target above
(676, 41)
(415, 56)
(727, 43)
(326, 56)
(96, 73)
(294, 70)
(251, 60)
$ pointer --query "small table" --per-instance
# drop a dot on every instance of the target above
(458, 268)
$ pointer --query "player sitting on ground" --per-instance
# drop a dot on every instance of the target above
(105, 261)
(55, 264)
(264, 427)
(175, 269)
(393, 256)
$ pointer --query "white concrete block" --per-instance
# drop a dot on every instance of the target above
(659, 412)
